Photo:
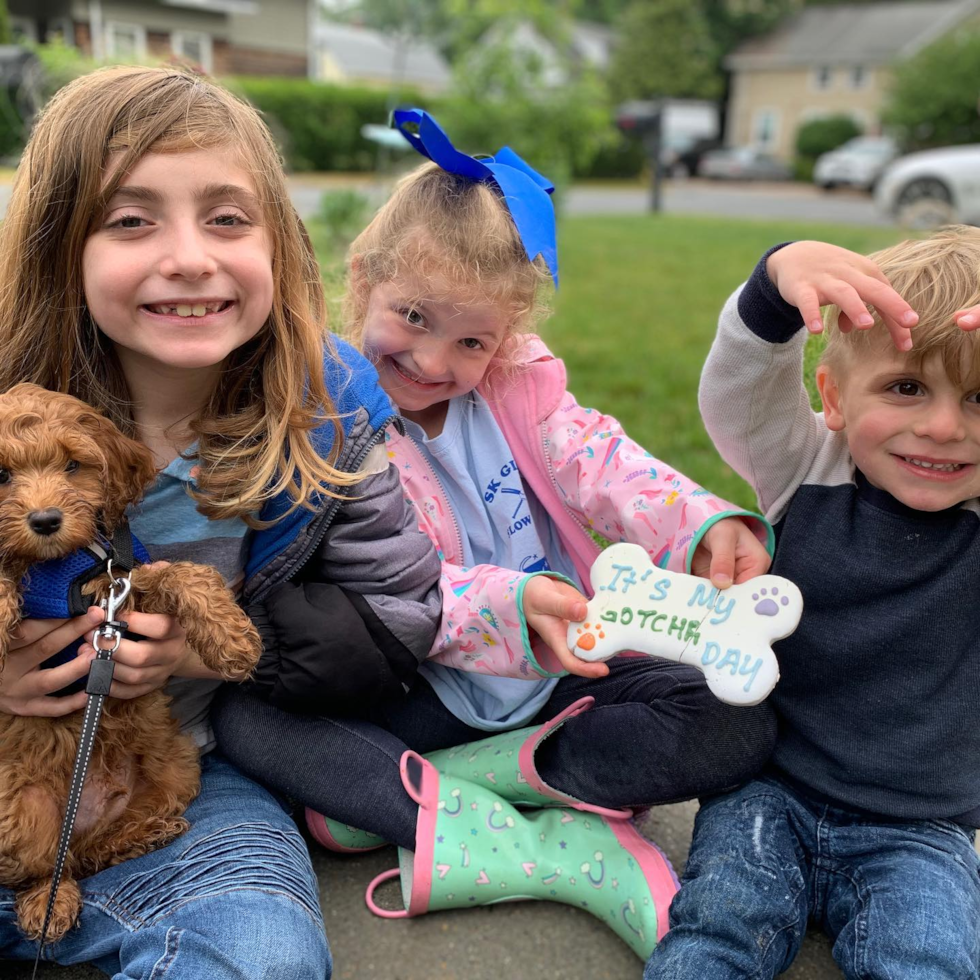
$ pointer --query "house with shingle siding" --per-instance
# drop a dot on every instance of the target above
(224, 37)
(827, 61)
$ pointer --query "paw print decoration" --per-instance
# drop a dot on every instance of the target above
(727, 635)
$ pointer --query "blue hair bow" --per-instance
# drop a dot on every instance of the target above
(525, 192)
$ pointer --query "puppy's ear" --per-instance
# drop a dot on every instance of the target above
(129, 471)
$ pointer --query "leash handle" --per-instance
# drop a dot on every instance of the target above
(97, 688)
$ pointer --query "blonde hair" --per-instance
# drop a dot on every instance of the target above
(253, 434)
(449, 234)
(937, 276)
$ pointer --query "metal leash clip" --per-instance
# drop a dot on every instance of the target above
(99, 681)
(110, 632)
(112, 629)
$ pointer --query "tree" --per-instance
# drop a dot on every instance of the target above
(934, 96)
(500, 96)
(677, 47)
(732, 21)
(453, 26)
(6, 35)
(665, 48)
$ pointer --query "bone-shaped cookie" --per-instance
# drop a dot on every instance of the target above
(727, 634)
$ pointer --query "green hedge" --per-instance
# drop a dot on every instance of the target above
(820, 136)
(318, 125)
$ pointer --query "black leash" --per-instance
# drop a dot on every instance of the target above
(99, 679)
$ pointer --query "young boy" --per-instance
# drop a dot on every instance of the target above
(864, 820)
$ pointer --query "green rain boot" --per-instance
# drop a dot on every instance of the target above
(474, 848)
(341, 837)
(504, 764)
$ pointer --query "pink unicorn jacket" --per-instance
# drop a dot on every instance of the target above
(589, 476)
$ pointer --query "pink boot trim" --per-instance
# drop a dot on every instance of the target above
(657, 870)
(426, 794)
(317, 825)
(525, 759)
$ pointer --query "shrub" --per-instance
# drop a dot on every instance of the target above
(820, 136)
(320, 125)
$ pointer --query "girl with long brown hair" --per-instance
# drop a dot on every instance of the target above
(152, 265)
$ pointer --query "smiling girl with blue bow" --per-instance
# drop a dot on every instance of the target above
(509, 475)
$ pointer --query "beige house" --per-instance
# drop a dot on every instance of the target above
(224, 37)
(829, 61)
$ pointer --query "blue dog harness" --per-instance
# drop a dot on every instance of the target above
(53, 589)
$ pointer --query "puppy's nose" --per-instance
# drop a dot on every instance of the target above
(45, 521)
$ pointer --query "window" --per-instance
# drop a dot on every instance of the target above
(822, 78)
(859, 77)
(193, 46)
(765, 128)
(125, 42)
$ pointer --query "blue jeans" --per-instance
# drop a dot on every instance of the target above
(656, 735)
(900, 899)
(234, 898)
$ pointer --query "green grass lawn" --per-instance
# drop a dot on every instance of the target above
(637, 312)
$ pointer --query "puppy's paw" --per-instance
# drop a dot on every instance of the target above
(228, 642)
(140, 838)
(32, 903)
(240, 653)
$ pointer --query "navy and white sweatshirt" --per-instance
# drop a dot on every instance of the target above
(879, 687)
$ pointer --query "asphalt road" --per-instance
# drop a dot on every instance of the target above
(724, 199)
(728, 199)
(733, 200)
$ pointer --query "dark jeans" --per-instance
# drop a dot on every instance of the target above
(900, 898)
(655, 735)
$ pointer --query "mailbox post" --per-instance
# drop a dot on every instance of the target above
(644, 120)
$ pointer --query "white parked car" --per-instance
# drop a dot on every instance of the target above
(934, 187)
(857, 163)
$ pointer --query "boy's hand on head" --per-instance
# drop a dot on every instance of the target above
(549, 606)
(968, 319)
(729, 553)
(814, 274)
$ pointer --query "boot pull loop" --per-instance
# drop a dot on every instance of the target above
(413, 775)
(373, 906)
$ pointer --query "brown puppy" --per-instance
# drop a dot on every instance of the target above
(66, 472)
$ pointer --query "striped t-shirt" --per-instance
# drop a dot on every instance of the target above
(168, 524)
